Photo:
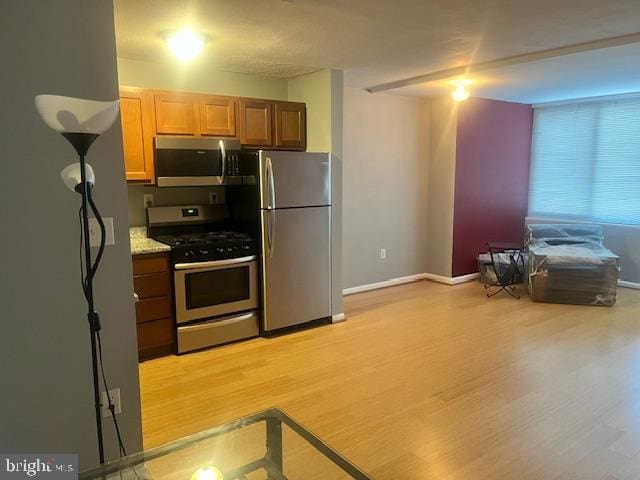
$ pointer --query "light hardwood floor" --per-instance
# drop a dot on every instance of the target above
(428, 381)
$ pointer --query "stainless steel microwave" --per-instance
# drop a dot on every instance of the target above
(203, 161)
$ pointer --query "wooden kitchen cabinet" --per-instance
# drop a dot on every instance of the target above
(217, 115)
(258, 123)
(175, 113)
(136, 116)
(155, 321)
(255, 123)
(290, 125)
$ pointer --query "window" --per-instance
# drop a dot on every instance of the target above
(585, 162)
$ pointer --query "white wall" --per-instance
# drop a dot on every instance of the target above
(386, 152)
(65, 48)
(442, 173)
(314, 89)
(198, 77)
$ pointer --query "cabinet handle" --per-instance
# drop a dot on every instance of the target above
(136, 297)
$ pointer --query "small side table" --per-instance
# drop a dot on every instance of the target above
(506, 279)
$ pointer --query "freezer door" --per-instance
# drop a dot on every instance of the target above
(294, 179)
(296, 266)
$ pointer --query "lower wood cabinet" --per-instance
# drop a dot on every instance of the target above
(155, 318)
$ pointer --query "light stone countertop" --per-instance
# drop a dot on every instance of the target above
(141, 244)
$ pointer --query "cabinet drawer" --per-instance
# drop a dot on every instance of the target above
(217, 332)
(155, 333)
(152, 285)
(143, 264)
(153, 309)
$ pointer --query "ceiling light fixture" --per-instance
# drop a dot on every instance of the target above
(207, 473)
(461, 92)
(185, 44)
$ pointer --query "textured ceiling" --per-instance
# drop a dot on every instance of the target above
(375, 41)
(589, 74)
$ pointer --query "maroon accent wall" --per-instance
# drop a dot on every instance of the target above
(493, 148)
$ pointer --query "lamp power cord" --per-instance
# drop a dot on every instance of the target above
(87, 273)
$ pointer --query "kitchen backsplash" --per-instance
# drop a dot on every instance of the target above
(166, 197)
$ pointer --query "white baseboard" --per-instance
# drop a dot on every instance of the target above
(410, 279)
(385, 284)
(625, 284)
(452, 280)
(338, 317)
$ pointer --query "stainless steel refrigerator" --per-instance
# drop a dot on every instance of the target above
(295, 210)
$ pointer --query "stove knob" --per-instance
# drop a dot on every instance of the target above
(204, 252)
(220, 250)
(188, 254)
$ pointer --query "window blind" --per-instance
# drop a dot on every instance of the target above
(585, 162)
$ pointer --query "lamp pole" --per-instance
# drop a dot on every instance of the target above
(81, 142)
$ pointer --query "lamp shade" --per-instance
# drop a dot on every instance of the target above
(71, 176)
(76, 115)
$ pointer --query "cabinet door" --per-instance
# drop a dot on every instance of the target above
(255, 123)
(175, 114)
(217, 115)
(136, 116)
(290, 125)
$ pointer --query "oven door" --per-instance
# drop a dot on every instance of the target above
(210, 289)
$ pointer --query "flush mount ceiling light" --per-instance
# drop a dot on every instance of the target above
(207, 473)
(461, 92)
(185, 44)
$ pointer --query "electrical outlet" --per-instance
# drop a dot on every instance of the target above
(94, 232)
(213, 198)
(114, 394)
(147, 198)
(383, 253)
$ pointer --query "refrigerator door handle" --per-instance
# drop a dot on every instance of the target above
(271, 226)
(272, 190)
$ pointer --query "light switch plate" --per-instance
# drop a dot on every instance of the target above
(94, 232)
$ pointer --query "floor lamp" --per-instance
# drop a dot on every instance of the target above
(81, 121)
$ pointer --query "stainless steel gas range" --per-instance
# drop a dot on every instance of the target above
(215, 275)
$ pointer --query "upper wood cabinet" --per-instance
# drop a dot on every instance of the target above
(217, 115)
(175, 113)
(290, 125)
(136, 116)
(255, 122)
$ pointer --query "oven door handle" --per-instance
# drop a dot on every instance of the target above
(214, 263)
(217, 323)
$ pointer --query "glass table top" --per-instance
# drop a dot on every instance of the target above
(268, 445)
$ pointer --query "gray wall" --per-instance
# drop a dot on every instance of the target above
(165, 197)
(386, 152)
(337, 170)
(624, 240)
(47, 398)
(442, 172)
